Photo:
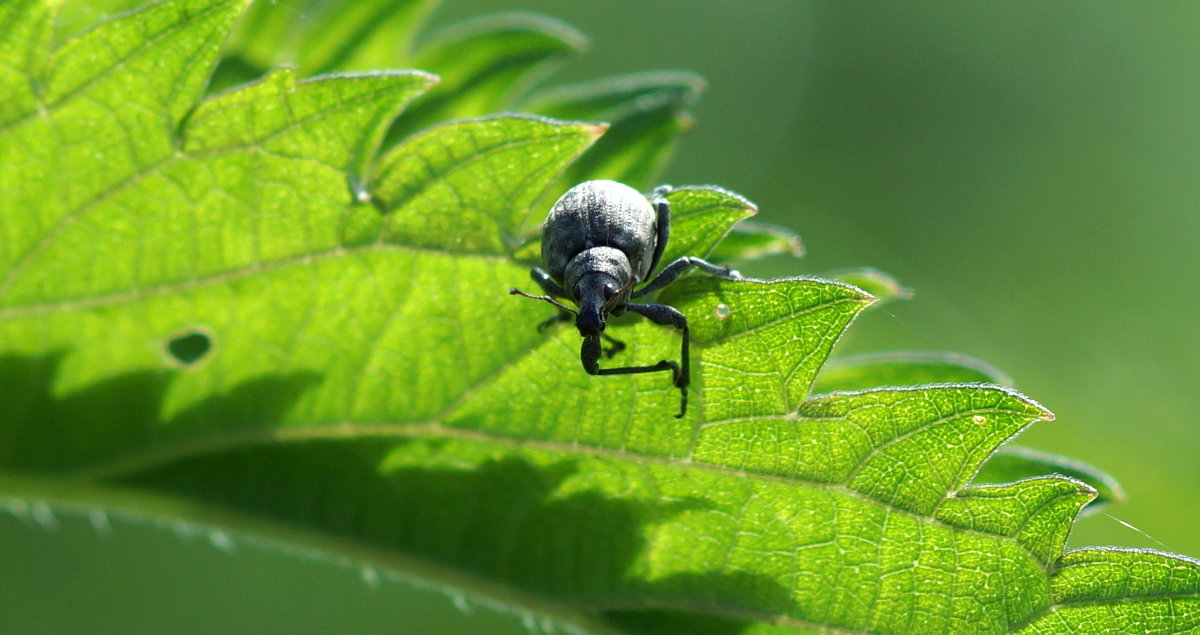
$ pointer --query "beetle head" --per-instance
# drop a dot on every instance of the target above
(596, 292)
(599, 280)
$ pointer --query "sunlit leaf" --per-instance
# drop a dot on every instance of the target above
(237, 310)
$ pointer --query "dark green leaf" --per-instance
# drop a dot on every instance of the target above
(752, 240)
(486, 64)
(859, 372)
(646, 117)
(319, 36)
(884, 287)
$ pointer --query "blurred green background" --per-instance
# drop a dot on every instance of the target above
(1030, 169)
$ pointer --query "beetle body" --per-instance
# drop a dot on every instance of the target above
(598, 214)
(598, 243)
(601, 240)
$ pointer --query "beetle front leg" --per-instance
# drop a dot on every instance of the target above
(589, 354)
(670, 316)
(615, 345)
(547, 283)
(676, 269)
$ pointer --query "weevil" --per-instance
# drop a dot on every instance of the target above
(601, 240)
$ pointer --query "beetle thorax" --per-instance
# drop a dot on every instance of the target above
(609, 261)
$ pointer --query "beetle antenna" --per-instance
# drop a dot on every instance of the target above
(516, 291)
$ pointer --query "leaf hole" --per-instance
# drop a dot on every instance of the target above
(190, 347)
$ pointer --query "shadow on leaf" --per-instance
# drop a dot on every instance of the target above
(120, 415)
(544, 525)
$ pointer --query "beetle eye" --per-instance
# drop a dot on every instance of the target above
(610, 290)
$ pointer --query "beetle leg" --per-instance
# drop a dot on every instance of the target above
(670, 316)
(675, 269)
(663, 226)
(589, 354)
(547, 283)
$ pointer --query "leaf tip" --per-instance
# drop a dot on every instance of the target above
(1035, 410)
(1040, 412)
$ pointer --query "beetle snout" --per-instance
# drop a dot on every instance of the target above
(590, 322)
(595, 291)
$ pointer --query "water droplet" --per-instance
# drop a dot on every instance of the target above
(979, 418)
(722, 311)
(359, 191)
(370, 576)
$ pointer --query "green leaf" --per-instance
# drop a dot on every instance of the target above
(361, 35)
(486, 64)
(616, 97)
(700, 218)
(646, 117)
(469, 186)
(1009, 463)
(318, 36)
(235, 311)
(752, 240)
(1126, 590)
(26, 27)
